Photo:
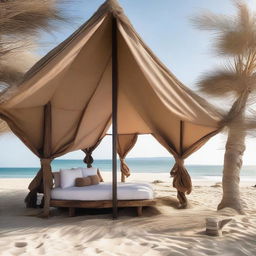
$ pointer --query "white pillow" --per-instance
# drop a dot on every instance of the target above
(68, 177)
(89, 171)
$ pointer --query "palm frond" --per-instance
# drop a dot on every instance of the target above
(237, 111)
(25, 17)
(20, 23)
(236, 39)
(245, 20)
(234, 35)
(248, 125)
(213, 22)
(220, 83)
(14, 65)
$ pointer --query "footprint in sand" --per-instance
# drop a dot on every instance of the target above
(20, 244)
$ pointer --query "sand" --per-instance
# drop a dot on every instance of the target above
(163, 230)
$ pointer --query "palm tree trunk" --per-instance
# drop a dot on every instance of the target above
(235, 148)
(233, 158)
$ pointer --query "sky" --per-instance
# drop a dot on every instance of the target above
(165, 26)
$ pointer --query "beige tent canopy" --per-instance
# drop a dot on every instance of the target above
(65, 101)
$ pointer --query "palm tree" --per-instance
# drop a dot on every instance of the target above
(235, 41)
(20, 24)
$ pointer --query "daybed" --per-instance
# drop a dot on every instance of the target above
(100, 195)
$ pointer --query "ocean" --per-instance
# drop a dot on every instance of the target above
(137, 165)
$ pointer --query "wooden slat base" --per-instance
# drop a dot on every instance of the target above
(139, 211)
(72, 204)
(71, 212)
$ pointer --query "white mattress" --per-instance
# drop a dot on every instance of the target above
(103, 191)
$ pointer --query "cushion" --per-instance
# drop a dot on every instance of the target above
(68, 177)
(103, 191)
(95, 180)
(56, 178)
(84, 181)
(89, 171)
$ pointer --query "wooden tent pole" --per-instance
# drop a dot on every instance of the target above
(114, 114)
(46, 160)
(181, 137)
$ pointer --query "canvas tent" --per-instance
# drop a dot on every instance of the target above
(66, 101)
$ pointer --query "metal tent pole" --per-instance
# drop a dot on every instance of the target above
(114, 114)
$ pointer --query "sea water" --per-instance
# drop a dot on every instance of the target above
(137, 165)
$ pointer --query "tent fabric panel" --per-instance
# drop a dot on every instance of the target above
(22, 120)
(172, 95)
(64, 125)
(129, 120)
(124, 145)
(66, 116)
(51, 69)
(85, 28)
(144, 100)
(40, 96)
(97, 115)
(193, 133)
(90, 97)
(85, 73)
(92, 135)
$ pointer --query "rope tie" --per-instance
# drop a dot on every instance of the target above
(45, 161)
(179, 163)
(88, 158)
(124, 168)
(181, 181)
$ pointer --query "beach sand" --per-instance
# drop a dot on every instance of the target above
(163, 230)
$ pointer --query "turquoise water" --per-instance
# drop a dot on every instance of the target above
(137, 165)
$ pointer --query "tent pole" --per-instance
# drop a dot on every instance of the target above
(114, 114)
(181, 137)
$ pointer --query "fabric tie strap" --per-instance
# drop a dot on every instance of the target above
(181, 181)
(37, 184)
(178, 162)
(88, 160)
(45, 161)
(124, 168)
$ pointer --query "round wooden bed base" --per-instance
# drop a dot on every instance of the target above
(73, 204)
